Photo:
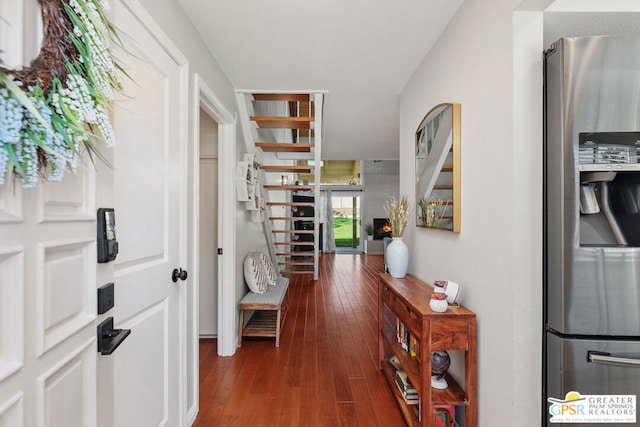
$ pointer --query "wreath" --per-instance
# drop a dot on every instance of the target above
(57, 108)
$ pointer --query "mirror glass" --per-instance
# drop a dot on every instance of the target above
(438, 168)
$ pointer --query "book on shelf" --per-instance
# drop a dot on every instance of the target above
(410, 398)
(405, 387)
(408, 342)
(395, 362)
(404, 383)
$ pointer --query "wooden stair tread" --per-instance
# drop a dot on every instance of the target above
(275, 147)
(443, 187)
(286, 168)
(447, 168)
(292, 231)
(291, 218)
(282, 122)
(294, 243)
(294, 263)
(281, 96)
(310, 204)
(289, 187)
(294, 254)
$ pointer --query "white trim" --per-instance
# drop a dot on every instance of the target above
(210, 103)
(305, 91)
(227, 343)
(194, 266)
(146, 21)
(227, 308)
(183, 255)
(318, 99)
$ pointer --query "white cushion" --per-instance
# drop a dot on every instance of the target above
(272, 275)
(255, 274)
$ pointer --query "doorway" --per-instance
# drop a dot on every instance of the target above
(346, 222)
(208, 258)
(211, 122)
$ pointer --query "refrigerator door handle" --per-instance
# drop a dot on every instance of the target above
(604, 358)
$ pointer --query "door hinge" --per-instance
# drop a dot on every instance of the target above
(219, 251)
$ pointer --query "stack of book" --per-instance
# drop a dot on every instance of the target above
(444, 414)
(407, 390)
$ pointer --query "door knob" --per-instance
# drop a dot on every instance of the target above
(178, 274)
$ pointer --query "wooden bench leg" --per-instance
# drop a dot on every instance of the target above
(240, 328)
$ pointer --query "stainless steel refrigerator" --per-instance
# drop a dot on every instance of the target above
(591, 219)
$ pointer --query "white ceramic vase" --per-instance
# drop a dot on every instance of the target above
(397, 258)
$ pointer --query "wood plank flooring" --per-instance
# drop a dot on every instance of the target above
(323, 374)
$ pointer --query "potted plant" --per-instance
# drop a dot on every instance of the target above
(397, 253)
(369, 229)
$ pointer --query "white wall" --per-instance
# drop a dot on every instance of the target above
(472, 64)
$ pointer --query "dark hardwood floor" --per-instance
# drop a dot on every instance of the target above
(325, 371)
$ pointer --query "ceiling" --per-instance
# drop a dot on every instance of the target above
(361, 52)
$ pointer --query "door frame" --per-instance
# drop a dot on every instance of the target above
(350, 192)
(204, 98)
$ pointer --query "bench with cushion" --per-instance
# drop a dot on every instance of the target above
(270, 311)
(268, 292)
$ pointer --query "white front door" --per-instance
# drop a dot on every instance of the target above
(145, 376)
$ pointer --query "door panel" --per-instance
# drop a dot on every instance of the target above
(64, 304)
(67, 391)
(148, 176)
(11, 411)
(11, 311)
(73, 201)
(145, 359)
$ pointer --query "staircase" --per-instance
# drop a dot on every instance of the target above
(284, 131)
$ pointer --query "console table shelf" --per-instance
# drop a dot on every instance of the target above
(406, 302)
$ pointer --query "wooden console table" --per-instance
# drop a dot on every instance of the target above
(404, 303)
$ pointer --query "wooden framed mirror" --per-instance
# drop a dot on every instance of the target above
(438, 168)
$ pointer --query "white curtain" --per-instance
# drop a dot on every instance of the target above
(329, 240)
